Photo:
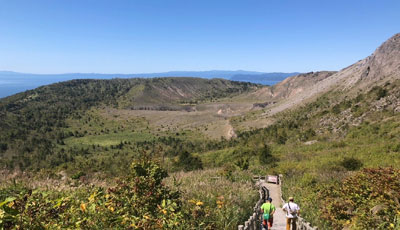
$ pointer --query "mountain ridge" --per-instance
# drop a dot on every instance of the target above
(362, 75)
(216, 99)
(14, 82)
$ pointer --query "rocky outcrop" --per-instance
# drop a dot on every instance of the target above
(381, 67)
(299, 83)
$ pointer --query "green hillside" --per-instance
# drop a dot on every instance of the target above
(327, 143)
(62, 122)
(86, 134)
(315, 146)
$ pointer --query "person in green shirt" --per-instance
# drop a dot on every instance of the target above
(269, 209)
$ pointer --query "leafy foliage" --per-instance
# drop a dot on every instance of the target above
(265, 156)
(187, 162)
(351, 163)
(379, 92)
(140, 201)
(213, 200)
(243, 163)
(367, 199)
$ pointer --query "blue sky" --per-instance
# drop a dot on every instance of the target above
(135, 36)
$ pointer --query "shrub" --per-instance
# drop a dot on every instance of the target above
(351, 163)
(379, 92)
(336, 109)
(243, 163)
(368, 199)
(396, 147)
(216, 202)
(78, 175)
(265, 156)
(308, 134)
(138, 201)
(188, 162)
(3, 147)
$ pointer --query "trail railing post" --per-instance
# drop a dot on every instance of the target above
(254, 221)
(246, 225)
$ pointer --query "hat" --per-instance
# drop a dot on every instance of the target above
(291, 198)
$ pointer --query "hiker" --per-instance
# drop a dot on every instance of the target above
(292, 211)
(268, 217)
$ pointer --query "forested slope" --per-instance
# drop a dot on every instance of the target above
(34, 122)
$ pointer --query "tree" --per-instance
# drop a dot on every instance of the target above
(265, 156)
(243, 163)
(187, 162)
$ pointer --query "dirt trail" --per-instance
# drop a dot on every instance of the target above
(279, 216)
(231, 132)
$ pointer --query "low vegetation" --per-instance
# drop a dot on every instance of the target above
(366, 199)
(333, 153)
(216, 198)
(58, 123)
(140, 200)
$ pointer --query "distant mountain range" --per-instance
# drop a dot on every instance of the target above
(14, 82)
(263, 78)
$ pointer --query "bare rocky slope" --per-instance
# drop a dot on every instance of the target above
(379, 68)
(294, 85)
(291, 86)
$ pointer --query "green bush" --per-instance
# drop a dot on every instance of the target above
(188, 162)
(78, 175)
(366, 200)
(138, 201)
(351, 163)
(243, 163)
(3, 147)
(265, 155)
(336, 109)
(379, 92)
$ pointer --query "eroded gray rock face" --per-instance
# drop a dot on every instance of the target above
(385, 61)
(381, 67)
(300, 83)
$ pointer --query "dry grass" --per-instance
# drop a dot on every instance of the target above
(209, 120)
(226, 199)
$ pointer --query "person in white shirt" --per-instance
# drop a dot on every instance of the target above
(292, 211)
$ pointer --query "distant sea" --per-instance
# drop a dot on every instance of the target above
(16, 83)
(10, 89)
